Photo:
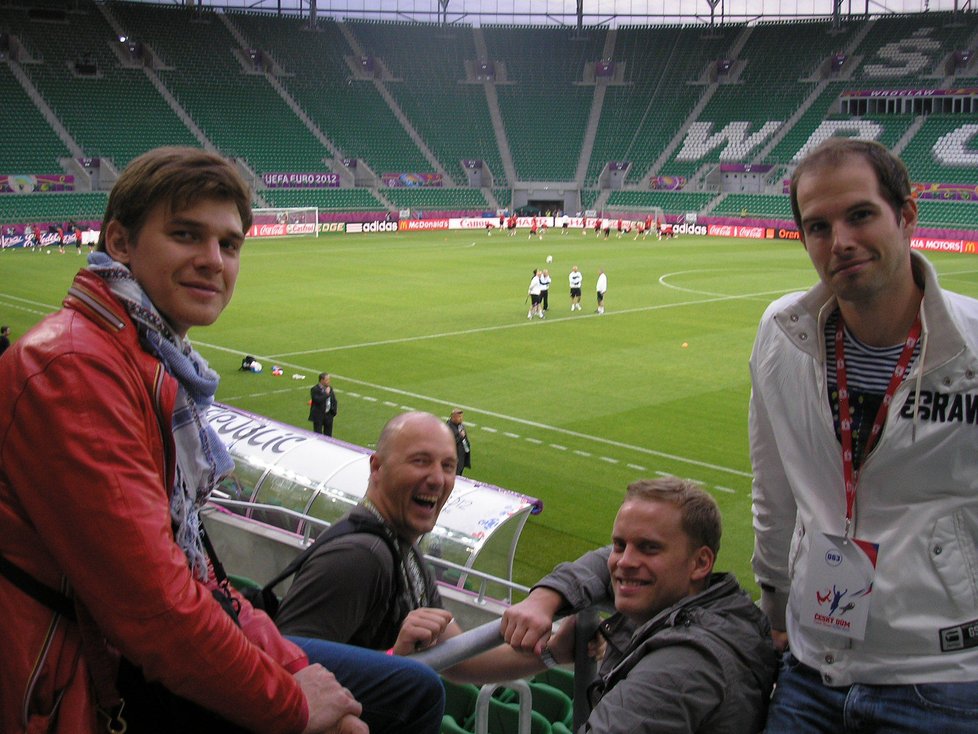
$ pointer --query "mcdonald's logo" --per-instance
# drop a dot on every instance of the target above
(970, 248)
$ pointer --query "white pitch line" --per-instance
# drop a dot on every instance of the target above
(48, 308)
(608, 459)
(18, 307)
(583, 453)
(521, 421)
(713, 298)
(636, 467)
(511, 435)
(260, 394)
(558, 447)
(663, 282)
(536, 441)
(724, 489)
(11, 297)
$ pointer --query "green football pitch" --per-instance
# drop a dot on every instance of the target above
(569, 409)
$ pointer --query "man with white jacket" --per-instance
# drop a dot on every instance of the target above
(866, 527)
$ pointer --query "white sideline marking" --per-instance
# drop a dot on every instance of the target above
(492, 414)
(712, 298)
(259, 394)
(18, 307)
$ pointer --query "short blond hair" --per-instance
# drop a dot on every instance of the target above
(700, 514)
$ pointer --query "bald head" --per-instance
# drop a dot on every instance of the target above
(412, 473)
(407, 426)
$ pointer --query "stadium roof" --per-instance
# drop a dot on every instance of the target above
(587, 12)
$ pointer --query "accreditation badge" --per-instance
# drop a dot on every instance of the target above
(840, 581)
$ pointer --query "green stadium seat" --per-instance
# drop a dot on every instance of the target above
(450, 726)
(504, 719)
(559, 678)
(460, 700)
(552, 703)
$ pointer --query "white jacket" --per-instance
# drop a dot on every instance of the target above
(917, 496)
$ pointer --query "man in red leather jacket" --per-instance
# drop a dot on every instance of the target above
(104, 464)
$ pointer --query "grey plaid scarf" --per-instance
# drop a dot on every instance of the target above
(201, 459)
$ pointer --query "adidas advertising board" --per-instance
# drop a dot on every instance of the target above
(363, 227)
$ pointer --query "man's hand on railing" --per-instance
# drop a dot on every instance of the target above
(526, 626)
(561, 643)
(421, 629)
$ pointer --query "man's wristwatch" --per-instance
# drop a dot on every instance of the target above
(547, 657)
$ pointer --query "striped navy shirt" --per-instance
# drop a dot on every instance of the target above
(868, 371)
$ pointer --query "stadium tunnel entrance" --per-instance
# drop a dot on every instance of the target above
(547, 205)
(550, 198)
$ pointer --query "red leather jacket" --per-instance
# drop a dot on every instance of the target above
(86, 463)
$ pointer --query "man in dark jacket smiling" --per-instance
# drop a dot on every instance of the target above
(687, 651)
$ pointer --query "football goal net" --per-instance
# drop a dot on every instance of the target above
(285, 222)
(642, 214)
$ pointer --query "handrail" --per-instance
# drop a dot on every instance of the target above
(484, 637)
(462, 647)
(585, 667)
(482, 705)
(489, 635)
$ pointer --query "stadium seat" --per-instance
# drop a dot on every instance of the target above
(450, 726)
(460, 701)
(242, 583)
(504, 718)
(559, 678)
(544, 103)
(553, 704)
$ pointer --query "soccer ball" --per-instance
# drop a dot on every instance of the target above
(550, 258)
(256, 366)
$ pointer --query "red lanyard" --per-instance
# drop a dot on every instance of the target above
(845, 416)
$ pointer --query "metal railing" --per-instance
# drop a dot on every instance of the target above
(487, 636)
(479, 639)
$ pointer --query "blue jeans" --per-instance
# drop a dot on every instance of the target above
(398, 695)
(802, 704)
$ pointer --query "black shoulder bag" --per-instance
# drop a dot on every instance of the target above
(125, 698)
(267, 600)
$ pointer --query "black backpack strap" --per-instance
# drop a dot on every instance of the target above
(347, 526)
(54, 600)
(223, 591)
